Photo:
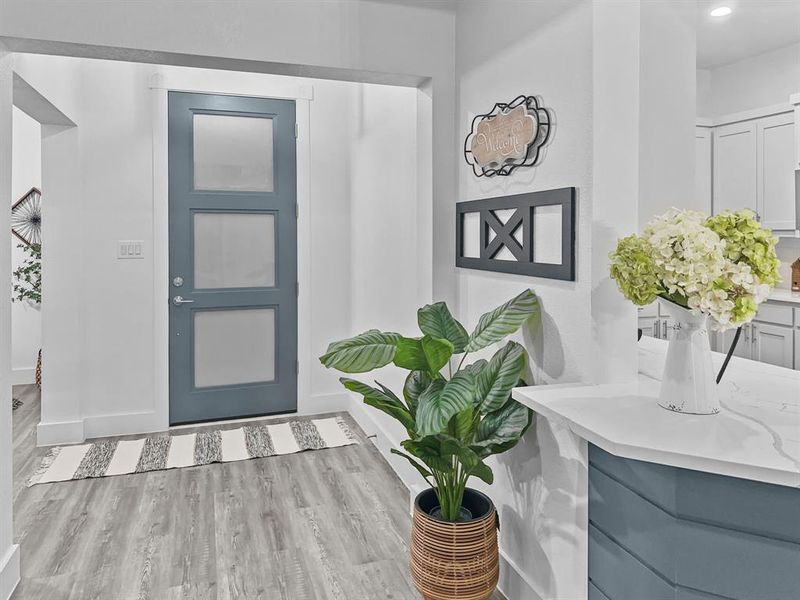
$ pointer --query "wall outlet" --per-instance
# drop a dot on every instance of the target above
(130, 249)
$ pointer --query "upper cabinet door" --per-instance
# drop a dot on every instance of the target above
(776, 194)
(735, 167)
(702, 156)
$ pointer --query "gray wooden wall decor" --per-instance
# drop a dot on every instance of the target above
(526, 234)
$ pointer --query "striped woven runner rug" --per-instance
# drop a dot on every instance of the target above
(171, 451)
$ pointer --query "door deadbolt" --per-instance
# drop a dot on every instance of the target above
(178, 281)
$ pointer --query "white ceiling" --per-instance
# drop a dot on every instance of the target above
(754, 27)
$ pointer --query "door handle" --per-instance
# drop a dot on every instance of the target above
(178, 300)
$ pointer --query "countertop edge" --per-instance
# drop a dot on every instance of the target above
(785, 478)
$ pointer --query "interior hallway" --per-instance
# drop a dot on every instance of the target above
(330, 524)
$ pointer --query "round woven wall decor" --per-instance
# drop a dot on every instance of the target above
(454, 561)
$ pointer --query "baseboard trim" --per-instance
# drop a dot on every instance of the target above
(9, 572)
(23, 376)
(59, 432)
(324, 403)
(123, 424)
(99, 426)
(513, 584)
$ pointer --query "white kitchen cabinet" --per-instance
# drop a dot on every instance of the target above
(773, 344)
(655, 322)
(703, 168)
(724, 339)
(775, 171)
(735, 185)
(648, 326)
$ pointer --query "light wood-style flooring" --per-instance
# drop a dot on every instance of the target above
(322, 525)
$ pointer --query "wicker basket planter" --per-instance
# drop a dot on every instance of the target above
(455, 561)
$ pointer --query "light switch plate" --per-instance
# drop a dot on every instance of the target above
(130, 249)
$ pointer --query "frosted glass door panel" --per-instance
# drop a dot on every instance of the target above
(234, 346)
(234, 250)
(232, 153)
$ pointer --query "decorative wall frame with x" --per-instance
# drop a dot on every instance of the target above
(526, 234)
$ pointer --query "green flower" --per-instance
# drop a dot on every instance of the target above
(744, 309)
(633, 268)
(746, 241)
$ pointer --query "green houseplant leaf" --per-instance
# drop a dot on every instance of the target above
(501, 430)
(429, 450)
(416, 383)
(440, 402)
(476, 369)
(382, 401)
(496, 380)
(503, 320)
(370, 350)
(454, 420)
(436, 321)
(423, 354)
(463, 423)
(414, 462)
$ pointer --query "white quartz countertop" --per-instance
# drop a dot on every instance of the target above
(756, 435)
(784, 295)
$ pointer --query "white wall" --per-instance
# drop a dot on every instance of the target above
(107, 316)
(9, 553)
(763, 80)
(26, 319)
(704, 106)
(546, 50)
(668, 114)
(358, 40)
(384, 251)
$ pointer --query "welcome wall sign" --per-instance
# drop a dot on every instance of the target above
(511, 135)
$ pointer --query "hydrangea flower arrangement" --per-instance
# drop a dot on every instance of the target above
(722, 266)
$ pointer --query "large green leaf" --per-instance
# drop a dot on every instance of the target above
(437, 352)
(436, 321)
(503, 320)
(428, 399)
(467, 456)
(501, 430)
(439, 403)
(416, 383)
(370, 350)
(476, 369)
(382, 401)
(429, 450)
(496, 381)
(414, 462)
(463, 424)
(422, 354)
(483, 472)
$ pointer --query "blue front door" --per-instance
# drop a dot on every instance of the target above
(232, 257)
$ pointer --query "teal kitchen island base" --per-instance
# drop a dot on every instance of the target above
(658, 505)
(658, 532)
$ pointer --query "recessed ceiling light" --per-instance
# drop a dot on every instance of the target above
(721, 11)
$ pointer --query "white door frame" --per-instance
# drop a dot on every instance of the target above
(303, 95)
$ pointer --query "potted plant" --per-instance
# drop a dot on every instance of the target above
(28, 276)
(454, 419)
(701, 269)
(27, 279)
